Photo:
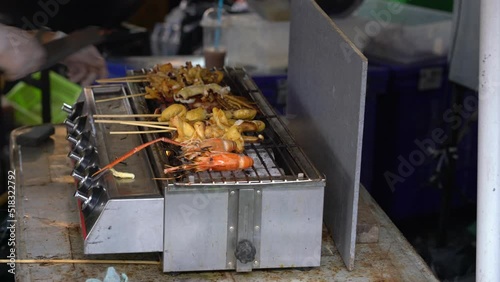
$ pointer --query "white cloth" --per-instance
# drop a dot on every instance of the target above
(111, 276)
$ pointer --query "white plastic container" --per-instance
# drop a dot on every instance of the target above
(257, 44)
(399, 32)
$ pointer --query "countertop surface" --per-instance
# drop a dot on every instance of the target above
(48, 227)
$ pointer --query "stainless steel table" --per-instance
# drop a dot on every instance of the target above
(48, 227)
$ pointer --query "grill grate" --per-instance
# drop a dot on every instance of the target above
(277, 158)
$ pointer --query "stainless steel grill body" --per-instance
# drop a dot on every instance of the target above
(268, 216)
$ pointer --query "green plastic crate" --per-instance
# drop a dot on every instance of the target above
(27, 100)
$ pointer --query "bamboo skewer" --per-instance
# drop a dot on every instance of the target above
(135, 123)
(120, 97)
(139, 132)
(126, 115)
(80, 261)
(127, 77)
(154, 122)
(106, 80)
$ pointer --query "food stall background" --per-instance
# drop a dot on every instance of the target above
(408, 97)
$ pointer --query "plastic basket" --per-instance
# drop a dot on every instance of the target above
(27, 100)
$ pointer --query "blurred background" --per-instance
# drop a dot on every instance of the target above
(426, 184)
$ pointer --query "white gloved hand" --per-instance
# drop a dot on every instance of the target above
(20, 53)
(85, 66)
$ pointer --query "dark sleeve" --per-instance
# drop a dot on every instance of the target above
(68, 15)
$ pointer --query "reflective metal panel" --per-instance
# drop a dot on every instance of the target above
(127, 226)
(195, 230)
(327, 83)
(291, 227)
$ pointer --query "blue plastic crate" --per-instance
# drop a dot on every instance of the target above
(273, 87)
(117, 70)
(413, 108)
(377, 85)
(466, 176)
(404, 103)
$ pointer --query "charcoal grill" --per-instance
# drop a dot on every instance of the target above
(268, 216)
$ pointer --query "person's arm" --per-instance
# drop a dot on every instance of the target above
(84, 66)
(20, 53)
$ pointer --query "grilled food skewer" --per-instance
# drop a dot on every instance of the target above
(210, 154)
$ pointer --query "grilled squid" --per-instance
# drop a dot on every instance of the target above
(172, 111)
(186, 95)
